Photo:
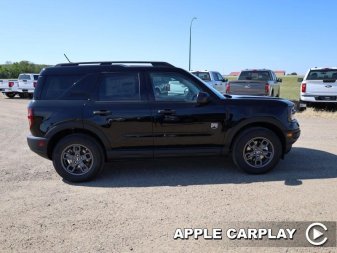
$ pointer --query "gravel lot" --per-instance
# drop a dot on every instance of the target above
(137, 205)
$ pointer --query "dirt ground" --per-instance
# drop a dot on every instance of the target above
(136, 206)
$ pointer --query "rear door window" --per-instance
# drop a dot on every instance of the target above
(119, 87)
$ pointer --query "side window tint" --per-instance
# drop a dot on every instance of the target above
(119, 87)
(220, 78)
(215, 76)
(82, 89)
(173, 87)
(56, 86)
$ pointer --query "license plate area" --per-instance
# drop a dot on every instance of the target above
(327, 98)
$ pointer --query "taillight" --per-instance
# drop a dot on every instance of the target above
(10, 84)
(228, 88)
(35, 84)
(30, 117)
(266, 88)
(304, 87)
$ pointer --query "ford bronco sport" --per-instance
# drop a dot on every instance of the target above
(85, 114)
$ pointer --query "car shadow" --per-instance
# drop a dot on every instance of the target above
(328, 107)
(300, 164)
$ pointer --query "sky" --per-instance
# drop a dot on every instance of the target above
(228, 35)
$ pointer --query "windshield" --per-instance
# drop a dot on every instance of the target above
(202, 75)
(322, 74)
(255, 75)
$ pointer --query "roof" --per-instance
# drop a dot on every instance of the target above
(118, 63)
(320, 68)
(74, 68)
(203, 71)
(256, 70)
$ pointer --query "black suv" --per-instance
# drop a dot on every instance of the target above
(85, 114)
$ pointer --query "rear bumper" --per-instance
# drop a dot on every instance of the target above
(293, 133)
(6, 90)
(38, 145)
(25, 90)
(319, 98)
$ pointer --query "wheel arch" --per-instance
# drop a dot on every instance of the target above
(61, 134)
(268, 125)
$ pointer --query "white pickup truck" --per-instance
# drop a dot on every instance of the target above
(212, 78)
(319, 85)
(9, 87)
(27, 84)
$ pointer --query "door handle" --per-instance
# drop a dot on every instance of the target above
(102, 112)
(166, 112)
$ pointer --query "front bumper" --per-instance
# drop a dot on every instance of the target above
(39, 145)
(292, 135)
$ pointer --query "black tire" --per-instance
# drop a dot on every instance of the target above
(88, 146)
(242, 148)
(22, 95)
(10, 95)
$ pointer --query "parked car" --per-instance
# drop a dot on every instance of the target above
(258, 82)
(9, 87)
(24, 86)
(27, 84)
(213, 78)
(319, 85)
(85, 114)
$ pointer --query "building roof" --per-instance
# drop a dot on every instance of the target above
(234, 73)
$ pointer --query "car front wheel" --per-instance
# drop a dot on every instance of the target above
(78, 158)
(257, 150)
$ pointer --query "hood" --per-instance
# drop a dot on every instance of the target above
(262, 99)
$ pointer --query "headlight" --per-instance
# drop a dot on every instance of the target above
(291, 113)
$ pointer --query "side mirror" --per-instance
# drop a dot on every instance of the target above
(300, 79)
(225, 80)
(202, 98)
(279, 80)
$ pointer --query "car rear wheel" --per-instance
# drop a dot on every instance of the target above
(10, 95)
(78, 158)
(257, 150)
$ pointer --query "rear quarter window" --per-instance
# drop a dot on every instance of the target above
(55, 87)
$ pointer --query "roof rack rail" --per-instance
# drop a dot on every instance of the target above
(108, 63)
